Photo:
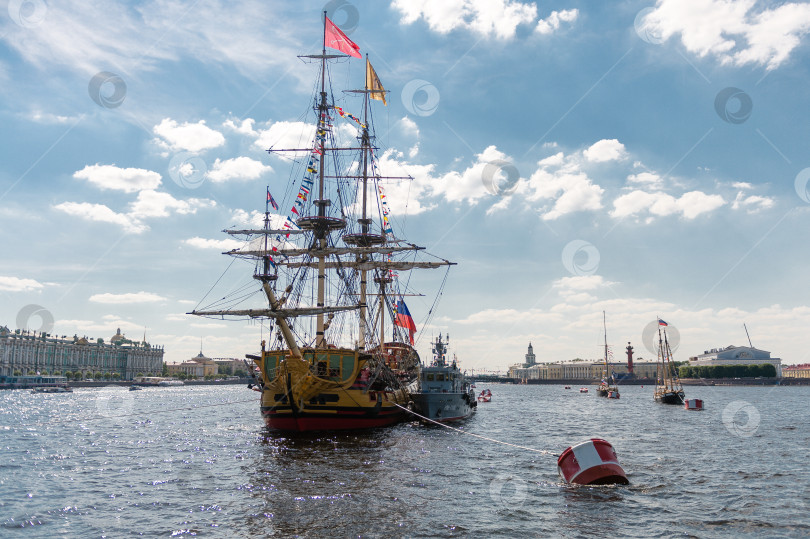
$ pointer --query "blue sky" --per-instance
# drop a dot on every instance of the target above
(658, 153)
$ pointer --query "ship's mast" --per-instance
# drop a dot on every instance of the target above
(604, 325)
(320, 232)
(364, 220)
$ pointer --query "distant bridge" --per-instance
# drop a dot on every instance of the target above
(492, 378)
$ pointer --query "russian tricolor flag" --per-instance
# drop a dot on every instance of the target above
(404, 319)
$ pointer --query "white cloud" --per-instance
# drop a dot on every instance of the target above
(580, 283)
(245, 127)
(559, 178)
(752, 203)
(735, 31)
(16, 284)
(101, 213)
(132, 297)
(225, 244)
(253, 217)
(85, 36)
(49, 118)
(605, 150)
(187, 136)
(491, 18)
(148, 204)
(240, 168)
(156, 204)
(282, 135)
(109, 326)
(689, 205)
(646, 178)
(128, 180)
(552, 22)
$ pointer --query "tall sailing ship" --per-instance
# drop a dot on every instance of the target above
(328, 277)
(607, 387)
(668, 388)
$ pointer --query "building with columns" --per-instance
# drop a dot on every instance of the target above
(198, 366)
(23, 351)
(736, 355)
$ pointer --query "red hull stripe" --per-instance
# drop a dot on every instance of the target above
(340, 421)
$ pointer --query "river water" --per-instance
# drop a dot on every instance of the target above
(196, 461)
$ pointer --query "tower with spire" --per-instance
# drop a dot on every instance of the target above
(531, 360)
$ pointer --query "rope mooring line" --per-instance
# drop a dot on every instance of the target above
(541, 451)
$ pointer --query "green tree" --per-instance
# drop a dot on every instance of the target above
(17, 373)
(241, 373)
(165, 371)
(107, 375)
(182, 376)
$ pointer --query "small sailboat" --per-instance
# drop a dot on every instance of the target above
(668, 388)
(583, 390)
(607, 387)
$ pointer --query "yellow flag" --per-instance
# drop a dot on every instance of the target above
(373, 83)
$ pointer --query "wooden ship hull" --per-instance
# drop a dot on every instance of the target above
(329, 389)
(669, 397)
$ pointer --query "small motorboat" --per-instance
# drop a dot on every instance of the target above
(613, 394)
(583, 390)
(52, 389)
(567, 387)
(135, 388)
(485, 396)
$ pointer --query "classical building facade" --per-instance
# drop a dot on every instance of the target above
(796, 371)
(577, 369)
(736, 355)
(198, 366)
(24, 351)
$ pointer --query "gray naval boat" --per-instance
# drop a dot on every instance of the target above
(444, 391)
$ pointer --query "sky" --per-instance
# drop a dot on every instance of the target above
(645, 159)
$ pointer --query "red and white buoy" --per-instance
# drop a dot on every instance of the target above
(693, 404)
(593, 462)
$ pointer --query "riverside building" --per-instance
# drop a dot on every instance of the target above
(736, 355)
(576, 369)
(23, 351)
